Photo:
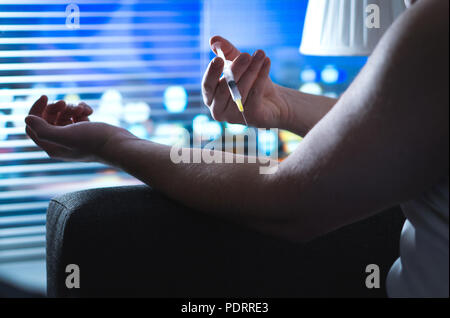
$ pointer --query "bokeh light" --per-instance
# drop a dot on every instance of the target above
(175, 99)
(311, 88)
(330, 74)
(139, 131)
(331, 94)
(72, 99)
(308, 75)
(110, 108)
(235, 129)
(267, 142)
(203, 126)
(290, 141)
(170, 134)
(134, 113)
(197, 123)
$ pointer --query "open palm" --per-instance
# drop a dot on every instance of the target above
(65, 132)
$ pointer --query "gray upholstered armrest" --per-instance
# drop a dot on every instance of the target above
(132, 241)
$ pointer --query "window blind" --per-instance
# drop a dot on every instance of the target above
(121, 60)
(139, 64)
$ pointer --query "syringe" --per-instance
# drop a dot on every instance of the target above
(229, 77)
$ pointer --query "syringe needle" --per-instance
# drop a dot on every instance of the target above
(245, 119)
(238, 102)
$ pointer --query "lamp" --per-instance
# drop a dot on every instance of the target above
(340, 27)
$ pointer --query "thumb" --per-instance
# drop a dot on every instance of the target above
(41, 128)
(230, 51)
(36, 123)
(56, 134)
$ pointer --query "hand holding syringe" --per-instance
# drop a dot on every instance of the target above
(229, 77)
(261, 99)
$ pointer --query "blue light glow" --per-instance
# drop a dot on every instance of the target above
(235, 129)
(267, 142)
(175, 99)
(311, 88)
(72, 99)
(170, 134)
(139, 131)
(197, 123)
(134, 113)
(110, 108)
(308, 75)
(330, 74)
(331, 94)
(203, 126)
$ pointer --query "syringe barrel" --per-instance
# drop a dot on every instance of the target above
(229, 77)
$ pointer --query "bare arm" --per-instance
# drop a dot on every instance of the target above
(305, 110)
(384, 142)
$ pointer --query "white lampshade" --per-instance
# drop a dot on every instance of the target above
(338, 27)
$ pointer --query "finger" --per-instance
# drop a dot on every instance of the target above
(249, 77)
(82, 118)
(65, 116)
(39, 106)
(77, 112)
(255, 92)
(81, 112)
(88, 111)
(222, 98)
(53, 150)
(50, 133)
(240, 65)
(211, 80)
(230, 51)
(52, 110)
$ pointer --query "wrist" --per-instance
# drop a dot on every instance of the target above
(289, 119)
(112, 148)
(303, 111)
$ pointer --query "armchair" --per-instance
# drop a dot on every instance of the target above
(133, 241)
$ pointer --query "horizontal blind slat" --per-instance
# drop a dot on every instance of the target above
(134, 48)
(22, 242)
(91, 90)
(22, 231)
(16, 255)
(94, 65)
(94, 52)
(25, 206)
(99, 39)
(20, 220)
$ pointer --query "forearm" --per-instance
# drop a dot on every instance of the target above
(236, 191)
(304, 110)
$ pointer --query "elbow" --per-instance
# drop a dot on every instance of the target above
(288, 215)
